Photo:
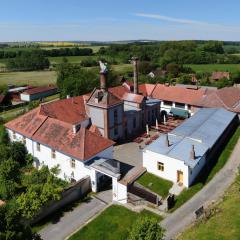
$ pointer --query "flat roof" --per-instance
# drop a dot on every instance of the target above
(201, 130)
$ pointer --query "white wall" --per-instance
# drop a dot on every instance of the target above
(45, 158)
(171, 166)
(119, 192)
(25, 97)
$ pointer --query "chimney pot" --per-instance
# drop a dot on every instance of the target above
(68, 96)
(193, 156)
(167, 141)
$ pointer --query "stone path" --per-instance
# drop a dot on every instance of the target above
(176, 222)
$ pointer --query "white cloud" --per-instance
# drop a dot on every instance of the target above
(170, 19)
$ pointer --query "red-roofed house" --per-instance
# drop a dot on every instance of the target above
(228, 98)
(177, 98)
(37, 93)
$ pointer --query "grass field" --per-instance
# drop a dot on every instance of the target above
(35, 78)
(112, 224)
(207, 176)
(214, 67)
(224, 224)
(155, 184)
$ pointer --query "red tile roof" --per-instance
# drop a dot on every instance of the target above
(220, 75)
(36, 90)
(228, 98)
(70, 110)
(28, 123)
(59, 135)
(146, 89)
(177, 94)
(124, 93)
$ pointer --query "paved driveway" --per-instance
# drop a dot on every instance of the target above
(71, 221)
(128, 153)
(176, 222)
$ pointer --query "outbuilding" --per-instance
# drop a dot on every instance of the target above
(38, 93)
(180, 155)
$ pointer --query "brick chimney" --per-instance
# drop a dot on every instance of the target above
(103, 81)
(192, 154)
(135, 61)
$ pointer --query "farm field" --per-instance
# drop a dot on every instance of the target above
(43, 78)
(224, 224)
(112, 224)
(35, 78)
(214, 67)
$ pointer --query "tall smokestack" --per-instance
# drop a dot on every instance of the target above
(192, 154)
(135, 74)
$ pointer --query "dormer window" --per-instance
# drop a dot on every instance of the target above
(53, 153)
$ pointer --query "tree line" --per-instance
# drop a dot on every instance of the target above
(24, 189)
(58, 52)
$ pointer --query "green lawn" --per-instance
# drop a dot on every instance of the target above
(214, 67)
(35, 78)
(155, 184)
(223, 225)
(112, 224)
(207, 176)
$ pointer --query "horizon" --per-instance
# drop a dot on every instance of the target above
(28, 21)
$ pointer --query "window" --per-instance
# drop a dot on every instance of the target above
(73, 163)
(115, 116)
(24, 140)
(180, 105)
(116, 131)
(53, 153)
(160, 166)
(38, 147)
(167, 103)
(134, 123)
(14, 135)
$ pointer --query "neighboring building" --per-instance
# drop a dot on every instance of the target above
(37, 93)
(176, 100)
(184, 152)
(228, 98)
(158, 73)
(216, 76)
(15, 92)
(5, 100)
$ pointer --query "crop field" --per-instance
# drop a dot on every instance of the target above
(35, 78)
(214, 67)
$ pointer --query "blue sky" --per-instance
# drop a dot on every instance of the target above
(34, 20)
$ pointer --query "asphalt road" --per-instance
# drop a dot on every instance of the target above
(176, 222)
(71, 221)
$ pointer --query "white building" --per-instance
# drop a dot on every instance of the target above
(182, 154)
(59, 134)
